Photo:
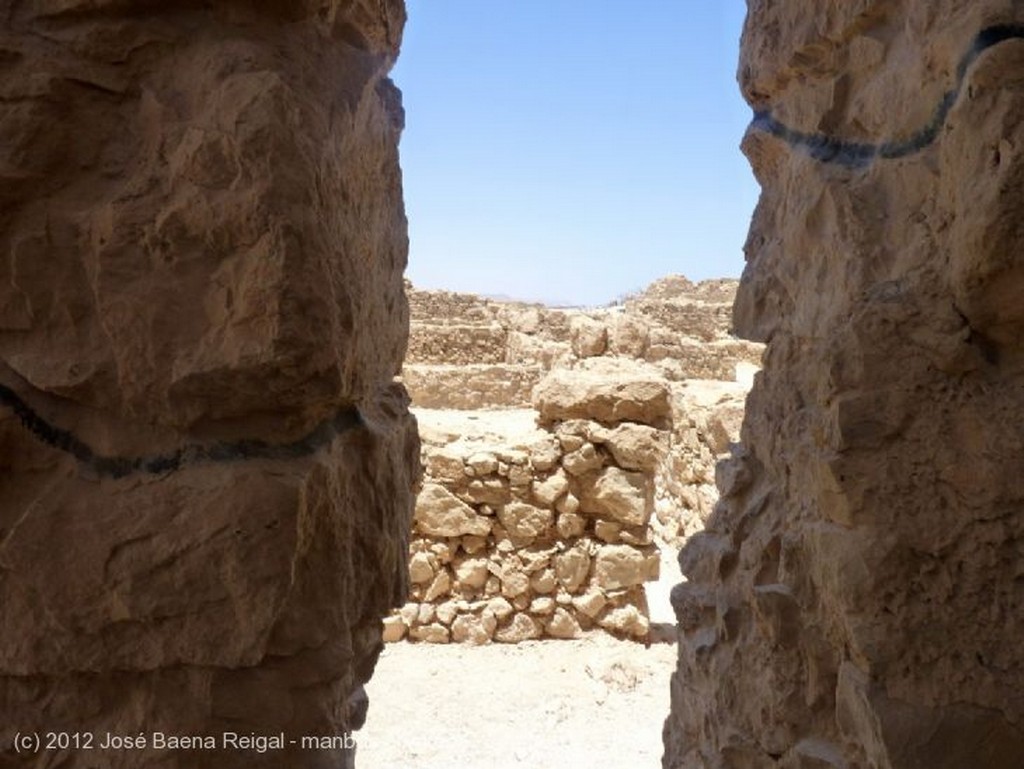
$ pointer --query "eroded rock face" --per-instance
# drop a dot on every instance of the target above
(856, 601)
(207, 472)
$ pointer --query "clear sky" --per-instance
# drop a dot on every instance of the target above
(572, 150)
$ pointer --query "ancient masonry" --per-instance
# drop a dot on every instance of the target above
(563, 449)
(207, 468)
(857, 598)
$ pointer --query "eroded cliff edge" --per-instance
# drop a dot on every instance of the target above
(858, 597)
(207, 472)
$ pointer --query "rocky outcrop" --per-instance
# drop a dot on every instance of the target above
(855, 602)
(207, 470)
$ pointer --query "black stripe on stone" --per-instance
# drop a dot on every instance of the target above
(829, 149)
(191, 454)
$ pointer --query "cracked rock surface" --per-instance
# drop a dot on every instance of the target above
(856, 600)
(207, 470)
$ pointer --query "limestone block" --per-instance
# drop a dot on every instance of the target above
(548, 491)
(590, 603)
(446, 612)
(473, 629)
(562, 625)
(543, 581)
(442, 514)
(394, 629)
(619, 495)
(514, 582)
(604, 397)
(628, 335)
(589, 337)
(433, 633)
(622, 566)
(607, 531)
(499, 607)
(572, 567)
(522, 627)
(571, 525)
(439, 586)
(542, 605)
(524, 521)
(491, 491)
(583, 460)
(472, 572)
(421, 569)
(482, 463)
(626, 620)
(637, 447)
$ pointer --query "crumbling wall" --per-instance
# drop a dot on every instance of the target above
(469, 352)
(856, 599)
(206, 470)
(524, 532)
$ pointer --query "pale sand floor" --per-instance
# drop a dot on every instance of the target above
(590, 702)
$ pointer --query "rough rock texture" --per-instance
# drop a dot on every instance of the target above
(529, 505)
(857, 601)
(206, 470)
(467, 352)
(522, 532)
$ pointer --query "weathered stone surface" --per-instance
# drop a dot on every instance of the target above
(589, 336)
(512, 471)
(572, 567)
(523, 627)
(206, 471)
(626, 620)
(637, 447)
(618, 494)
(856, 600)
(582, 460)
(604, 397)
(394, 629)
(621, 566)
(548, 491)
(525, 521)
(441, 513)
(473, 629)
(562, 625)
(472, 572)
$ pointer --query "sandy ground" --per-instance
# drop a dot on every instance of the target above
(594, 701)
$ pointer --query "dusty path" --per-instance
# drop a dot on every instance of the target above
(541, 704)
(547, 704)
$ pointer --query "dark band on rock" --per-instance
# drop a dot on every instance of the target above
(192, 454)
(829, 149)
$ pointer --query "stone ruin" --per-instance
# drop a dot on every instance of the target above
(206, 496)
(564, 450)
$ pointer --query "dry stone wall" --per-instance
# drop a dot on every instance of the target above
(856, 600)
(546, 533)
(501, 350)
(206, 470)
(582, 424)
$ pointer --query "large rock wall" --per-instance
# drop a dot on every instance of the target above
(206, 470)
(856, 601)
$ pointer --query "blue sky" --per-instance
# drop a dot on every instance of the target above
(571, 151)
